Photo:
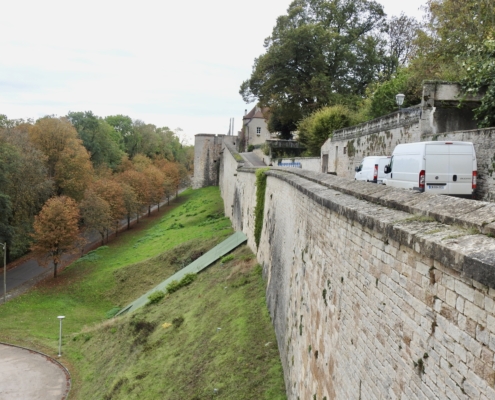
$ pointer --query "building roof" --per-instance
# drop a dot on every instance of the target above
(256, 112)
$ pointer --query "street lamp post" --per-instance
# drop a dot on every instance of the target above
(399, 99)
(4, 246)
(60, 317)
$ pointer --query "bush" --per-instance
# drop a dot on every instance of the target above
(319, 126)
(250, 147)
(111, 313)
(228, 258)
(155, 297)
(177, 322)
(383, 95)
(176, 285)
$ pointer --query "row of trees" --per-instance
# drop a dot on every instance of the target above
(80, 164)
(346, 53)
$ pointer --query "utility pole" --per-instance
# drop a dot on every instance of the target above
(4, 246)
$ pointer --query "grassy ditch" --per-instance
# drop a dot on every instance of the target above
(210, 339)
(93, 288)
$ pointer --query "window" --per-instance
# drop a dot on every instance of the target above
(258, 131)
(345, 150)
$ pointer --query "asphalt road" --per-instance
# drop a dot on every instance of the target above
(253, 159)
(29, 272)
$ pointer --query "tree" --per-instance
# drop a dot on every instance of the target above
(99, 137)
(124, 125)
(111, 191)
(25, 183)
(137, 181)
(74, 171)
(318, 54)
(131, 202)
(155, 179)
(479, 66)
(451, 27)
(319, 126)
(96, 213)
(67, 160)
(402, 32)
(382, 94)
(51, 136)
(55, 230)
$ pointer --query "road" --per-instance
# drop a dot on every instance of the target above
(253, 159)
(29, 272)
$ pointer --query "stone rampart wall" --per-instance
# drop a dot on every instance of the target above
(345, 155)
(368, 300)
(207, 149)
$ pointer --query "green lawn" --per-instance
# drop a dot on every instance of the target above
(135, 356)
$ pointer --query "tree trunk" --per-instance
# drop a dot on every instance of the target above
(128, 221)
(55, 269)
(149, 210)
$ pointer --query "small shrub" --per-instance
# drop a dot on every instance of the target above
(227, 258)
(155, 297)
(176, 285)
(177, 322)
(111, 313)
(250, 147)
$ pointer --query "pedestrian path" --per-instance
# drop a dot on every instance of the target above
(28, 375)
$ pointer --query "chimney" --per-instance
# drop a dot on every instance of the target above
(245, 111)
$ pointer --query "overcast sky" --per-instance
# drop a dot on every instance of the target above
(169, 63)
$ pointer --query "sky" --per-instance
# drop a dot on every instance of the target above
(168, 63)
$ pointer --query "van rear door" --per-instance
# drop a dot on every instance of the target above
(448, 168)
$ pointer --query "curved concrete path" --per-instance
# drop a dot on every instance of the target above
(29, 375)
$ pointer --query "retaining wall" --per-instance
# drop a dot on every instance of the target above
(368, 300)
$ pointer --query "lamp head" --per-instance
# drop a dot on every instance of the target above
(399, 98)
(61, 317)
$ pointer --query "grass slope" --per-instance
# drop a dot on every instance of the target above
(135, 356)
(175, 350)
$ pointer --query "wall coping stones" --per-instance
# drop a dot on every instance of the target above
(397, 119)
(237, 157)
(388, 212)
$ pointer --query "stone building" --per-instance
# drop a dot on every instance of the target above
(254, 128)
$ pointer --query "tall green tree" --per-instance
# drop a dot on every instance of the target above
(479, 78)
(318, 54)
(99, 137)
(24, 182)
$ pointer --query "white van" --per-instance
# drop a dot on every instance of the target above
(434, 167)
(371, 169)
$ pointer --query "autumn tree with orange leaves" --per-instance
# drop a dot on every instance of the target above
(96, 214)
(55, 230)
(67, 160)
(111, 191)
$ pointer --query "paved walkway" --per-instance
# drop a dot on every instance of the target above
(28, 375)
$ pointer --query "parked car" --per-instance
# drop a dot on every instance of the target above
(434, 167)
(371, 169)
